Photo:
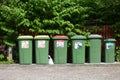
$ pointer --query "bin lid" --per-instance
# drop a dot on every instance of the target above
(95, 36)
(110, 40)
(42, 37)
(78, 37)
(60, 37)
(25, 37)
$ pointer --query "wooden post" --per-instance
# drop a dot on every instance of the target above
(9, 51)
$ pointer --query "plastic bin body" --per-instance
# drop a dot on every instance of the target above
(25, 49)
(41, 49)
(78, 49)
(110, 50)
(95, 48)
(60, 49)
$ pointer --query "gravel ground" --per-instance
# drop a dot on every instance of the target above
(60, 72)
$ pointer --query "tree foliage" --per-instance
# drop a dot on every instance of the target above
(25, 17)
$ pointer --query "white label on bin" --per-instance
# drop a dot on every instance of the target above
(78, 45)
(109, 45)
(25, 44)
(60, 43)
(41, 44)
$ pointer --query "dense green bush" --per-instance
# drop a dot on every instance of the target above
(118, 53)
(28, 17)
(5, 60)
(2, 57)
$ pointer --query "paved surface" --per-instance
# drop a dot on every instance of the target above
(60, 72)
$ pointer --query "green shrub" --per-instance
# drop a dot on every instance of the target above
(2, 57)
(118, 53)
(9, 60)
(5, 60)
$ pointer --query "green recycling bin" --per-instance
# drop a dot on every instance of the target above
(25, 49)
(109, 50)
(60, 49)
(41, 49)
(78, 49)
(95, 48)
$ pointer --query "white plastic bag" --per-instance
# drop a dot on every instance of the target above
(50, 60)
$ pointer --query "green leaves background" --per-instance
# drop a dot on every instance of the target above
(25, 17)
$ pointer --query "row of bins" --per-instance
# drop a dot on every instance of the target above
(60, 43)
